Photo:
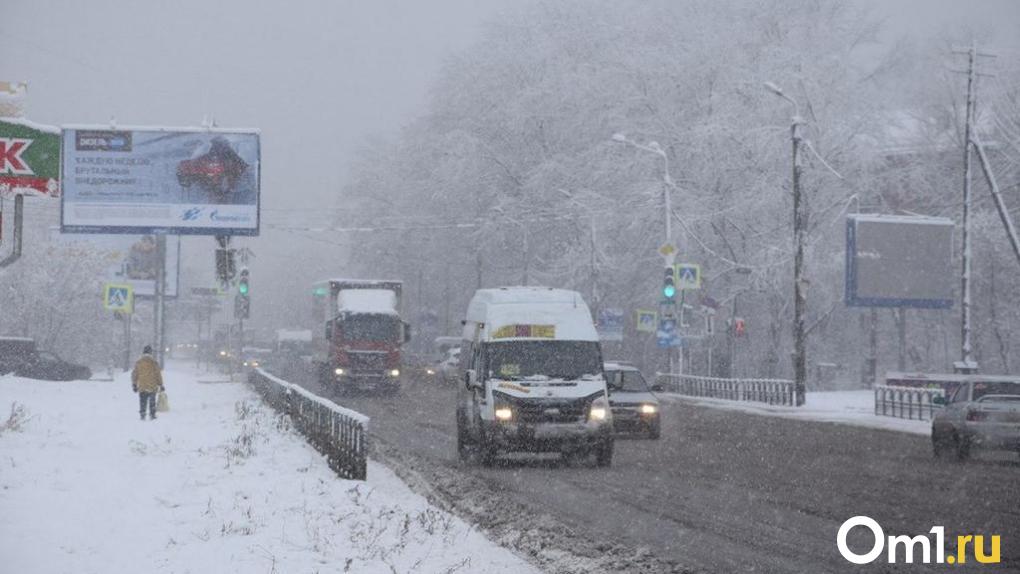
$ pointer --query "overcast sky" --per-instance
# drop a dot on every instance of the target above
(317, 76)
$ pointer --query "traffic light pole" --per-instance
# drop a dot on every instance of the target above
(676, 363)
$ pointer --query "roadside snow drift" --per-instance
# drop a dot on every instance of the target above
(220, 483)
(856, 408)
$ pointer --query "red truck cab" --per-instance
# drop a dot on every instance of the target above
(360, 349)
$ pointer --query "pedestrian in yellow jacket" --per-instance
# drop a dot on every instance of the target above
(146, 380)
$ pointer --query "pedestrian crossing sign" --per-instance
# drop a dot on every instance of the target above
(119, 297)
(688, 276)
(646, 321)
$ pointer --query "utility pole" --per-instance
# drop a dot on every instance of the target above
(594, 276)
(799, 231)
(527, 253)
(799, 296)
(965, 326)
(967, 364)
(901, 330)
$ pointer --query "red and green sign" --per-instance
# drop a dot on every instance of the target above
(29, 157)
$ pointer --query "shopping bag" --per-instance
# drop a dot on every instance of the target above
(162, 403)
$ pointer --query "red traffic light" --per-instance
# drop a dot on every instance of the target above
(739, 327)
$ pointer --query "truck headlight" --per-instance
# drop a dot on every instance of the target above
(394, 372)
(599, 410)
(339, 371)
(649, 409)
(504, 414)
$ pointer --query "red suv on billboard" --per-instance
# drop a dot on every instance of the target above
(215, 168)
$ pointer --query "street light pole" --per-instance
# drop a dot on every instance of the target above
(675, 366)
(799, 233)
(800, 297)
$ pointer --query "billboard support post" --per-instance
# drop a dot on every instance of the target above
(19, 221)
(159, 303)
(127, 340)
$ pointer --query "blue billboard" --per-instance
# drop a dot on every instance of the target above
(900, 261)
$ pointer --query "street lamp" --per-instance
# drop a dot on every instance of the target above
(799, 231)
(667, 178)
(668, 184)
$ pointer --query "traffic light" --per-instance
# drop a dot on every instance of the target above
(242, 283)
(669, 285)
(242, 306)
(225, 269)
(739, 327)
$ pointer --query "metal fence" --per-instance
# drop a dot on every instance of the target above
(770, 391)
(906, 402)
(337, 432)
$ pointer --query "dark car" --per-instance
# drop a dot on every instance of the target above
(15, 352)
(49, 367)
(635, 408)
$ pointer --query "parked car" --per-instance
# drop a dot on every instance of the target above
(15, 352)
(635, 408)
(979, 414)
(48, 366)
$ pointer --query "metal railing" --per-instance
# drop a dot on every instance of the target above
(906, 402)
(769, 391)
(337, 432)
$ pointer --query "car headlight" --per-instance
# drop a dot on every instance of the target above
(254, 363)
(430, 371)
(394, 372)
(223, 353)
(649, 409)
(504, 414)
(339, 371)
(599, 410)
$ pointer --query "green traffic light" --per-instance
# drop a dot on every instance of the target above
(243, 288)
(669, 291)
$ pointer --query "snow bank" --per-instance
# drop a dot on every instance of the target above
(219, 484)
(855, 408)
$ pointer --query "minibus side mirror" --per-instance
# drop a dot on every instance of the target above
(471, 379)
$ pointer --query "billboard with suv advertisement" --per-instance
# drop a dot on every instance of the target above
(174, 180)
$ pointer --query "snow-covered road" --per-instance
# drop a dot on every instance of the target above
(218, 484)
